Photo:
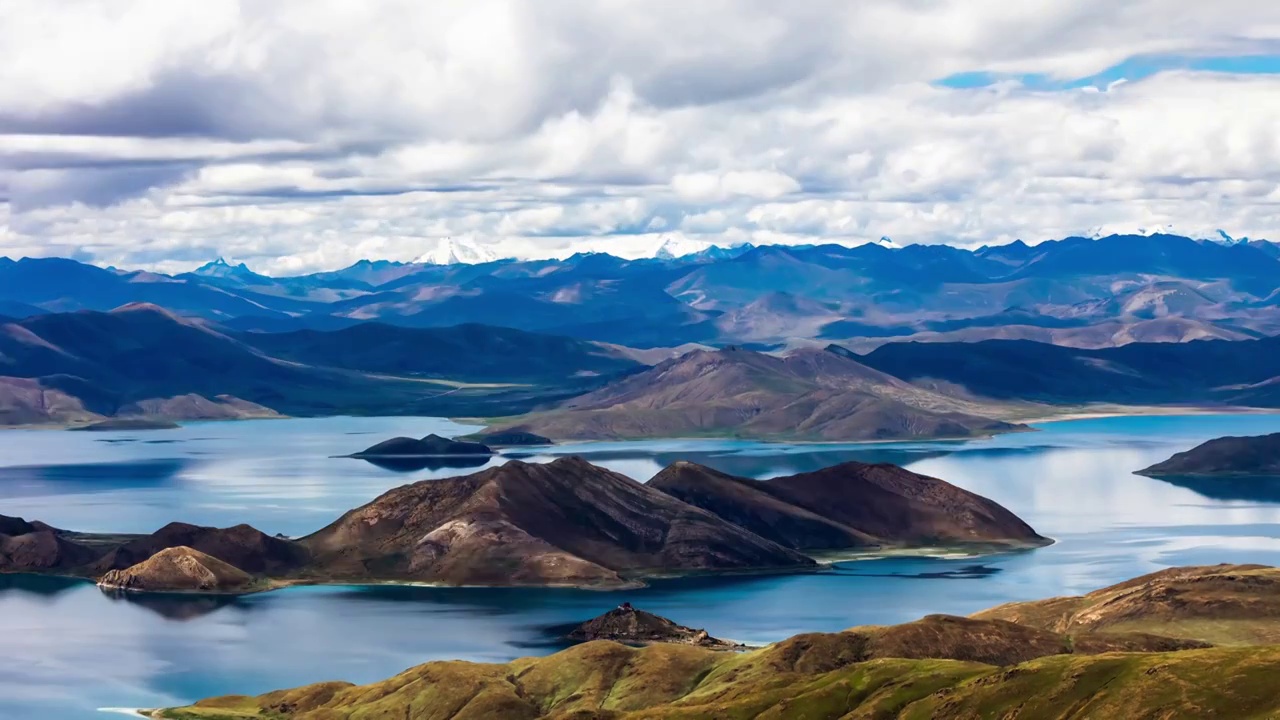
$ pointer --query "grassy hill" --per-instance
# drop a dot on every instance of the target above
(938, 667)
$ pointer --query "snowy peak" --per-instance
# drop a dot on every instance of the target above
(673, 248)
(453, 251)
(220, 268)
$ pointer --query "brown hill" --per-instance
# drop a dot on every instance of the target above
(241, 546)
(809, 394)
(1243, 456)
(179, 569)
(36, 547)
(849, 505)
(1217, 603)
(565, 522)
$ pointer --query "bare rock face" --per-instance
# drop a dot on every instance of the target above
(848, 506)
(528, 523)
(179, 569)
(626, 624)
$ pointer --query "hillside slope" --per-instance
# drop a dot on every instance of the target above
(809, 394)
(938, 667)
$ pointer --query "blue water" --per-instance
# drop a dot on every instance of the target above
(71, 649)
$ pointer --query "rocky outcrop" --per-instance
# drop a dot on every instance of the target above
(1226, 456)
(848, 506)
(564, 522)
(179, 569)
(626, 624)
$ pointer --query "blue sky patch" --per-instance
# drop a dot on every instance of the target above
(1135, 68)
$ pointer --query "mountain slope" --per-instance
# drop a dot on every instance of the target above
(462, 352)
(849, 505)
(939, 667)
(808, 394)
(566, 522)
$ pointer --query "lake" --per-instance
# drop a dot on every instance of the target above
(71, 650)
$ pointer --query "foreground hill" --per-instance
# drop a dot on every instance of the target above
(566, 522)
(1221, 603)
(1226, 456)
(848, 505)
(808, 394)
(937, 667)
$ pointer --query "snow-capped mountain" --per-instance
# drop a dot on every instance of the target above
(886, 241)
(677, 247)
(1225, 239)
(455, 251)
(673, 248)
(220, 268)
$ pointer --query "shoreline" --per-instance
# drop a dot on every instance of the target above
(823, 561)
(1149, 411)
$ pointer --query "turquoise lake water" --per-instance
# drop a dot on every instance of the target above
(72, 650)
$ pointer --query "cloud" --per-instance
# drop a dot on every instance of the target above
(301, 135)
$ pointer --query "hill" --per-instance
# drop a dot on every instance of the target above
(565, 522)
(1207, 371)
(144, 361)
(848, 505)
(1229, 604)
(808, 394)
(463, 352)
(1226, 456)
(937, 667)
(178, 569)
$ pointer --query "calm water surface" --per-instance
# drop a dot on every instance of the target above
(71, 650)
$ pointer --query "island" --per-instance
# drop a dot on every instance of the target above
(1257, 456)
(430, 446)
(630, 626)
(562, 523)
(1144, 648)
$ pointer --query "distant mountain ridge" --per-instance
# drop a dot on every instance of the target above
(1079, 291)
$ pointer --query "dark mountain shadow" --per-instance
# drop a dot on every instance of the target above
(1249, 489)
(176, 606)
(414, 464)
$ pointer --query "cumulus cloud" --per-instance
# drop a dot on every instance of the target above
(306, 134)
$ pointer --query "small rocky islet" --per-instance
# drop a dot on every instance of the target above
(504, 526)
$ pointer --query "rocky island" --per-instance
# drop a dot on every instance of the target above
(1257, 456)
(1029, 660)
(430, 446)
(562, 523)
(627, 625)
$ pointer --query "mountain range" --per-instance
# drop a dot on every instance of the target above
(1082, 292)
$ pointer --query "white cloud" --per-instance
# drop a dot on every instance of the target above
(306, 135)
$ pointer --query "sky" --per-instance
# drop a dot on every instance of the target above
(302, 135)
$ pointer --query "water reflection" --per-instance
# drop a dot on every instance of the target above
(416, 463)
